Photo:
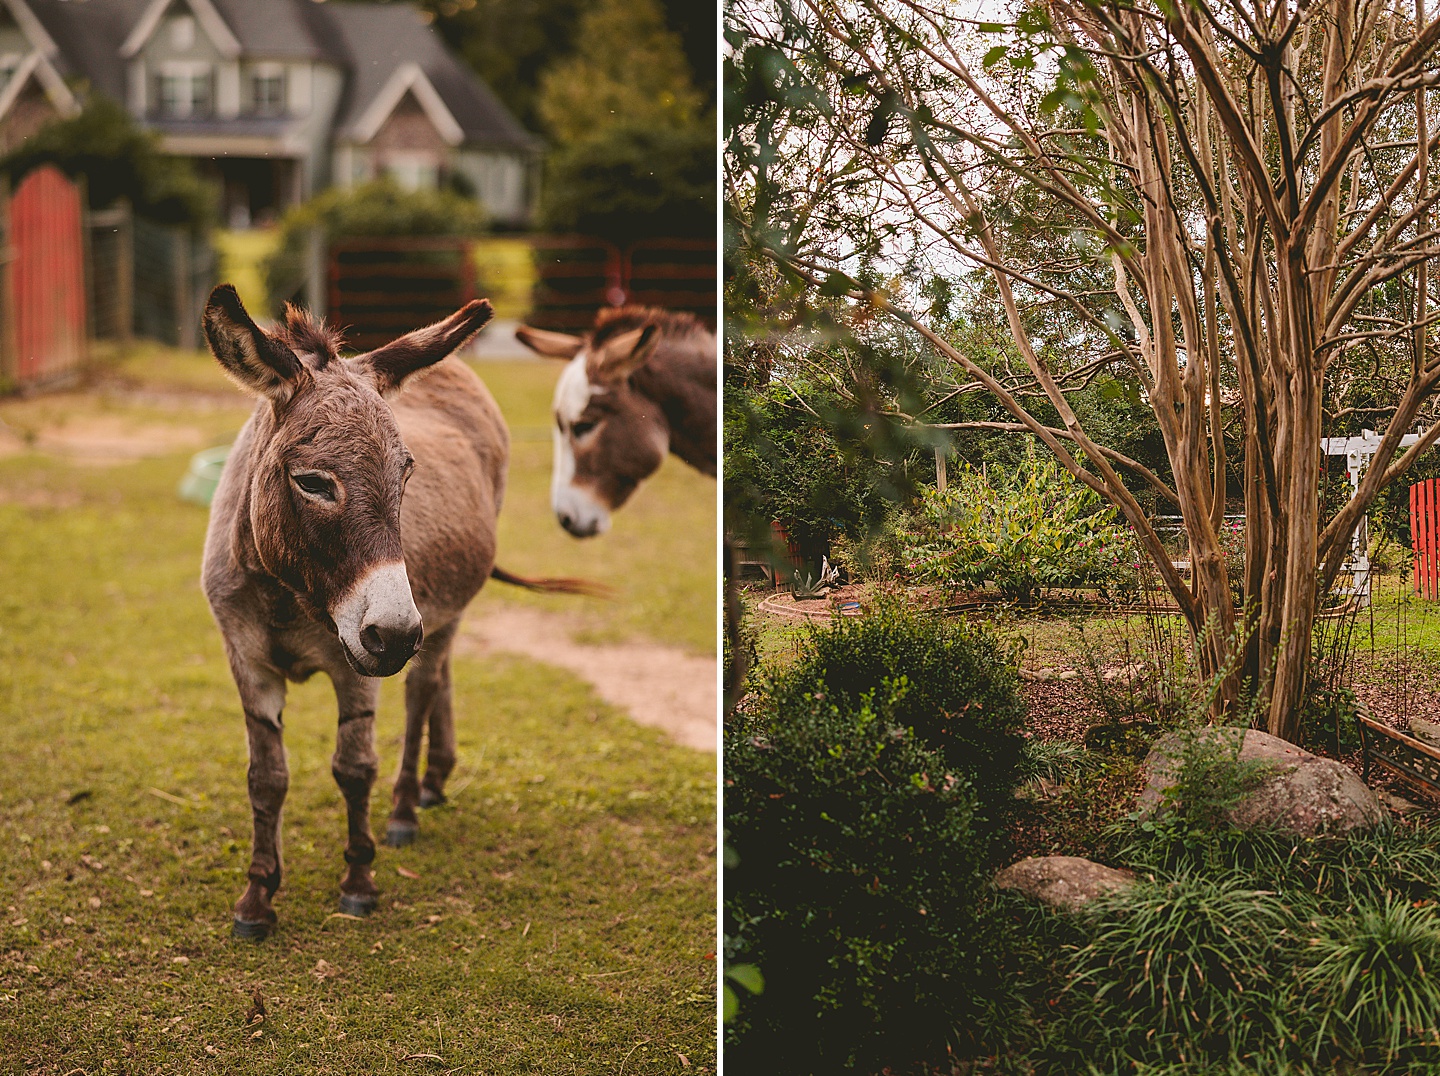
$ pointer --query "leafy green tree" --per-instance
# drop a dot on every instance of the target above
(627, 68)
(633, 179)
(1036, 527)
(117, 160)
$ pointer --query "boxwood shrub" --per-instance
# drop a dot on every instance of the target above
(963, 697)
(861, 794)
(855, 888)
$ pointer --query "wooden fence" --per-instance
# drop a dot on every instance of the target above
(42, 280)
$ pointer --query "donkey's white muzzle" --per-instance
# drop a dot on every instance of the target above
(377, 621)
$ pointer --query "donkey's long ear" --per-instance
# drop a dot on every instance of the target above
(391, 364)
(621, 356)
(551, 345)
(254, 359)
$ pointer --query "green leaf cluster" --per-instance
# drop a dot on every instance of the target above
(1035, 527)
(116, 159)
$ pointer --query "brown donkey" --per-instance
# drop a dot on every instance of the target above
(639, 384)
(314, 562)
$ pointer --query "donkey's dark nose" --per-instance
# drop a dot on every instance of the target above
(385, 641)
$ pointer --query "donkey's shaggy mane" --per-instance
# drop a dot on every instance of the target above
(302, 333)
(613, 321)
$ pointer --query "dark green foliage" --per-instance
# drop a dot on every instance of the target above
(117, 160)
(379, 208)
(784, 463)
(1186, 969)
(633, 180)
(962, 696)
(1375, 979)
(856, 887)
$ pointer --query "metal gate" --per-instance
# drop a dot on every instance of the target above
(381, 288)
(44, 279)
(577, 275)
(1425, 536)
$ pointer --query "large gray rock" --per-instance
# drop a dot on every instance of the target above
(1064, 882)
(1301, 793)
(1427, 732)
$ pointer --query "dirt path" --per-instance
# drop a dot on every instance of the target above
(661, 686)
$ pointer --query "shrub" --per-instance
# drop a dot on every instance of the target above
(1191, 824)
(855, 890)
(963, 696)
(1035, 528)
(118, 160)
(633, 180)
(379, 208)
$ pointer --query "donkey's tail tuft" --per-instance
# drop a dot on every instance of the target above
(553, 586)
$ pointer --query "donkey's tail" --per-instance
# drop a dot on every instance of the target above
(552, 586)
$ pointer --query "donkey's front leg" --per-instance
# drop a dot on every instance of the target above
(263, 697)
(354, 766)
(427, 693)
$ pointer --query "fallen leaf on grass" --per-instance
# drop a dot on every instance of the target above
(256, 1015)
(406, 872)
(323, 970)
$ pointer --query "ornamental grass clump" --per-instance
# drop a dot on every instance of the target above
(1374, 979)
(1190, 969)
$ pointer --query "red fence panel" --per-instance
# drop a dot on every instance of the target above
(48, 277)
(1425, 537)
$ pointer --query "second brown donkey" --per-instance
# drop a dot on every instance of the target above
(354, 521)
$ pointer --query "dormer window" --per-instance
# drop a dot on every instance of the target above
(186, 90)
(267, 90)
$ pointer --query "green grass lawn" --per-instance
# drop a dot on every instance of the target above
(557, 917)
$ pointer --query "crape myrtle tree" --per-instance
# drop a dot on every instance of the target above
(1229, 203)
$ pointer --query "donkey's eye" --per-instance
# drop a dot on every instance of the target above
(315, 485)
(580, 429)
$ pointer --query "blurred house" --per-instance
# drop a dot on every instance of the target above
(275, 98)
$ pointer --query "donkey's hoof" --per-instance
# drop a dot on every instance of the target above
(251, 929)
(430, 798)
(399, 834)
(358, 903)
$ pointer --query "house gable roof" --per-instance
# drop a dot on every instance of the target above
(407, 78)
(378, 42)
(38, 67)
(206, 14)
(30, 26)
